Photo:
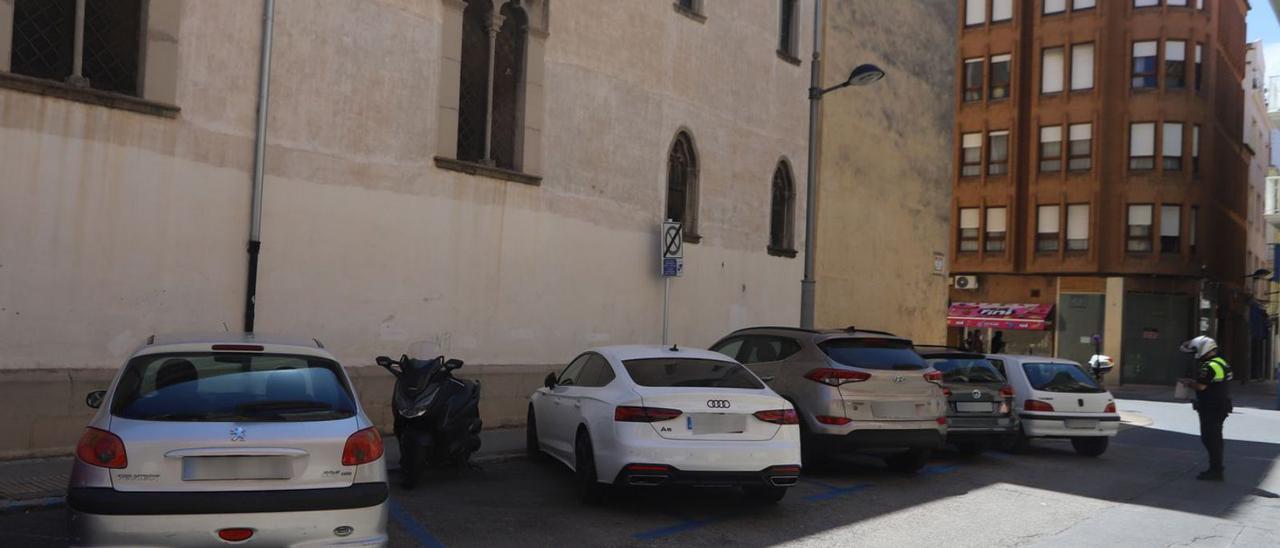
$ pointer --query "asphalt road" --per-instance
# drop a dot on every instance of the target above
(1140, 493)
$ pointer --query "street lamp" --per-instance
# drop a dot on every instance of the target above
(860, 76)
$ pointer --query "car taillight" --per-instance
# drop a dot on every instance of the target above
(778, 416)
(836, 377)
(235, 534)
(101, 448)
(946, 392)
(362, 447)
(237, 348)
(1037, 405)
(1111, 408)
(933, 376)
(834, 421)
(1006, 391)
(633, 413)
(942, 420)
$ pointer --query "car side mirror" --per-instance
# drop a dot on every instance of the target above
(550, 381)
(94, 399)
(383, 361)
(453, 364)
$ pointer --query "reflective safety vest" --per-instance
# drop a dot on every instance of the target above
(1221, 371)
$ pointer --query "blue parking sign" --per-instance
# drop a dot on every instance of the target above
(672, 267)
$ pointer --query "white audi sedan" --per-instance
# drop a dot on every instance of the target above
(651, 416)
(229, 439)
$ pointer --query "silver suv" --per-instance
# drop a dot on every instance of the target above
(856, 390)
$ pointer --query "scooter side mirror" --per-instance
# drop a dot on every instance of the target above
(383, 361)
(453, 364)
(550, 381)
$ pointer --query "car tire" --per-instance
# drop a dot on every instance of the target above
(532, 448)
(910, 461)
(590, 490)
(765, 495)
(1091, 446)
(974, 447)
(811, 457)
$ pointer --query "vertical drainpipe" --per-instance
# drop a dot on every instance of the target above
(259, 159)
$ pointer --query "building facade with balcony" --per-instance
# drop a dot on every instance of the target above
(1101, 188)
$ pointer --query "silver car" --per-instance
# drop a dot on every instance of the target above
(209, 440)
(856, 390)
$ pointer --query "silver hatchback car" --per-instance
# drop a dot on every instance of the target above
(229, 439)
(856, 390)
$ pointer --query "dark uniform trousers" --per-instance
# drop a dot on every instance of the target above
(1211, 419)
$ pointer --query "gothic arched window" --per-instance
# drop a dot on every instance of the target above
(682, 185)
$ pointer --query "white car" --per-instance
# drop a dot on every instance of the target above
(1058, 398)
(650, 416)
(229, 438)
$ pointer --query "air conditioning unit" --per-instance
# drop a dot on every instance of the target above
(964, 282)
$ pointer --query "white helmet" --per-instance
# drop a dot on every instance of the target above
(1201, 346)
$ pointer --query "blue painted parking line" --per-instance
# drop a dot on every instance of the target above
(16, 506)
(682, 527)
(838, 492)
(412, 526)
(940, 469)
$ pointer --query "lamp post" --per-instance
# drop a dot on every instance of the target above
(861, 76)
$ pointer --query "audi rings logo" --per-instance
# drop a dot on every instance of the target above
(718, 404)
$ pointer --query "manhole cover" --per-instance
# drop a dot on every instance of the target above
(34, 487)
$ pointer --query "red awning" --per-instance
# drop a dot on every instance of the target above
(1000, 316)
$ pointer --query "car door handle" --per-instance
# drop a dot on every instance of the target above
(577, 404)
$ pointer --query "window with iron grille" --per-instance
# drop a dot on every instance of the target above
(490, 100)
(682, 185)
(45, 34)
(782, 211)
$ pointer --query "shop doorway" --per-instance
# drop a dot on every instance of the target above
(1154, 326)
(1080, 318)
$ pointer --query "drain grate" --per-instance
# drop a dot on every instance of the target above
(33, 487)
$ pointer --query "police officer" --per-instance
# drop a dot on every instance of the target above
(1213, 400)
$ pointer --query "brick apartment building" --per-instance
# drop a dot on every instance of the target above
(1100, 187)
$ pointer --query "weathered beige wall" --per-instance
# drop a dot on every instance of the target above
(116, 225)
(885, 168)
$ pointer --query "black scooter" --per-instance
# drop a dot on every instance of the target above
(437, 416)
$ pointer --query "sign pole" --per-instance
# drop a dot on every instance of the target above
(666, 307)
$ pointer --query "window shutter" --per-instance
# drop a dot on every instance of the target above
(1055, 6)
(1082, 66)
(1081, 132)
(1144, 49)
(1175, 50)
(971, 140)
(1001, 10)
(969, 218)
(1198, 51)
(1051, 70)
(1195, 141)
(975, 12)
(1051, 134)
(1078, 222)
(995, 219)
(1047, 221)
(1002, 58)
(1140, 215)
(1177, 2)
(1083, 4)
(1145, 3)
(1172, 139)
(1170, 216)
(1142, 139)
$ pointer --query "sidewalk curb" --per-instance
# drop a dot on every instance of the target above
(20, 506)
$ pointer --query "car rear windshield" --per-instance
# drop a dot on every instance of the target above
(1060, 377)
(690, 372)
(966, 370)
(894, 354)
(232, 387)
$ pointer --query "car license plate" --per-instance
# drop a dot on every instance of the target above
(235, 468)
(1082, 423)
(717, 423)
(894, 409)
(974, 406)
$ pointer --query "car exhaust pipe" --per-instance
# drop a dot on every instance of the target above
(784, 481)
(647, 480)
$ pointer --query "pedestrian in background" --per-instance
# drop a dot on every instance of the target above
(997, 343)
(1213, 399)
